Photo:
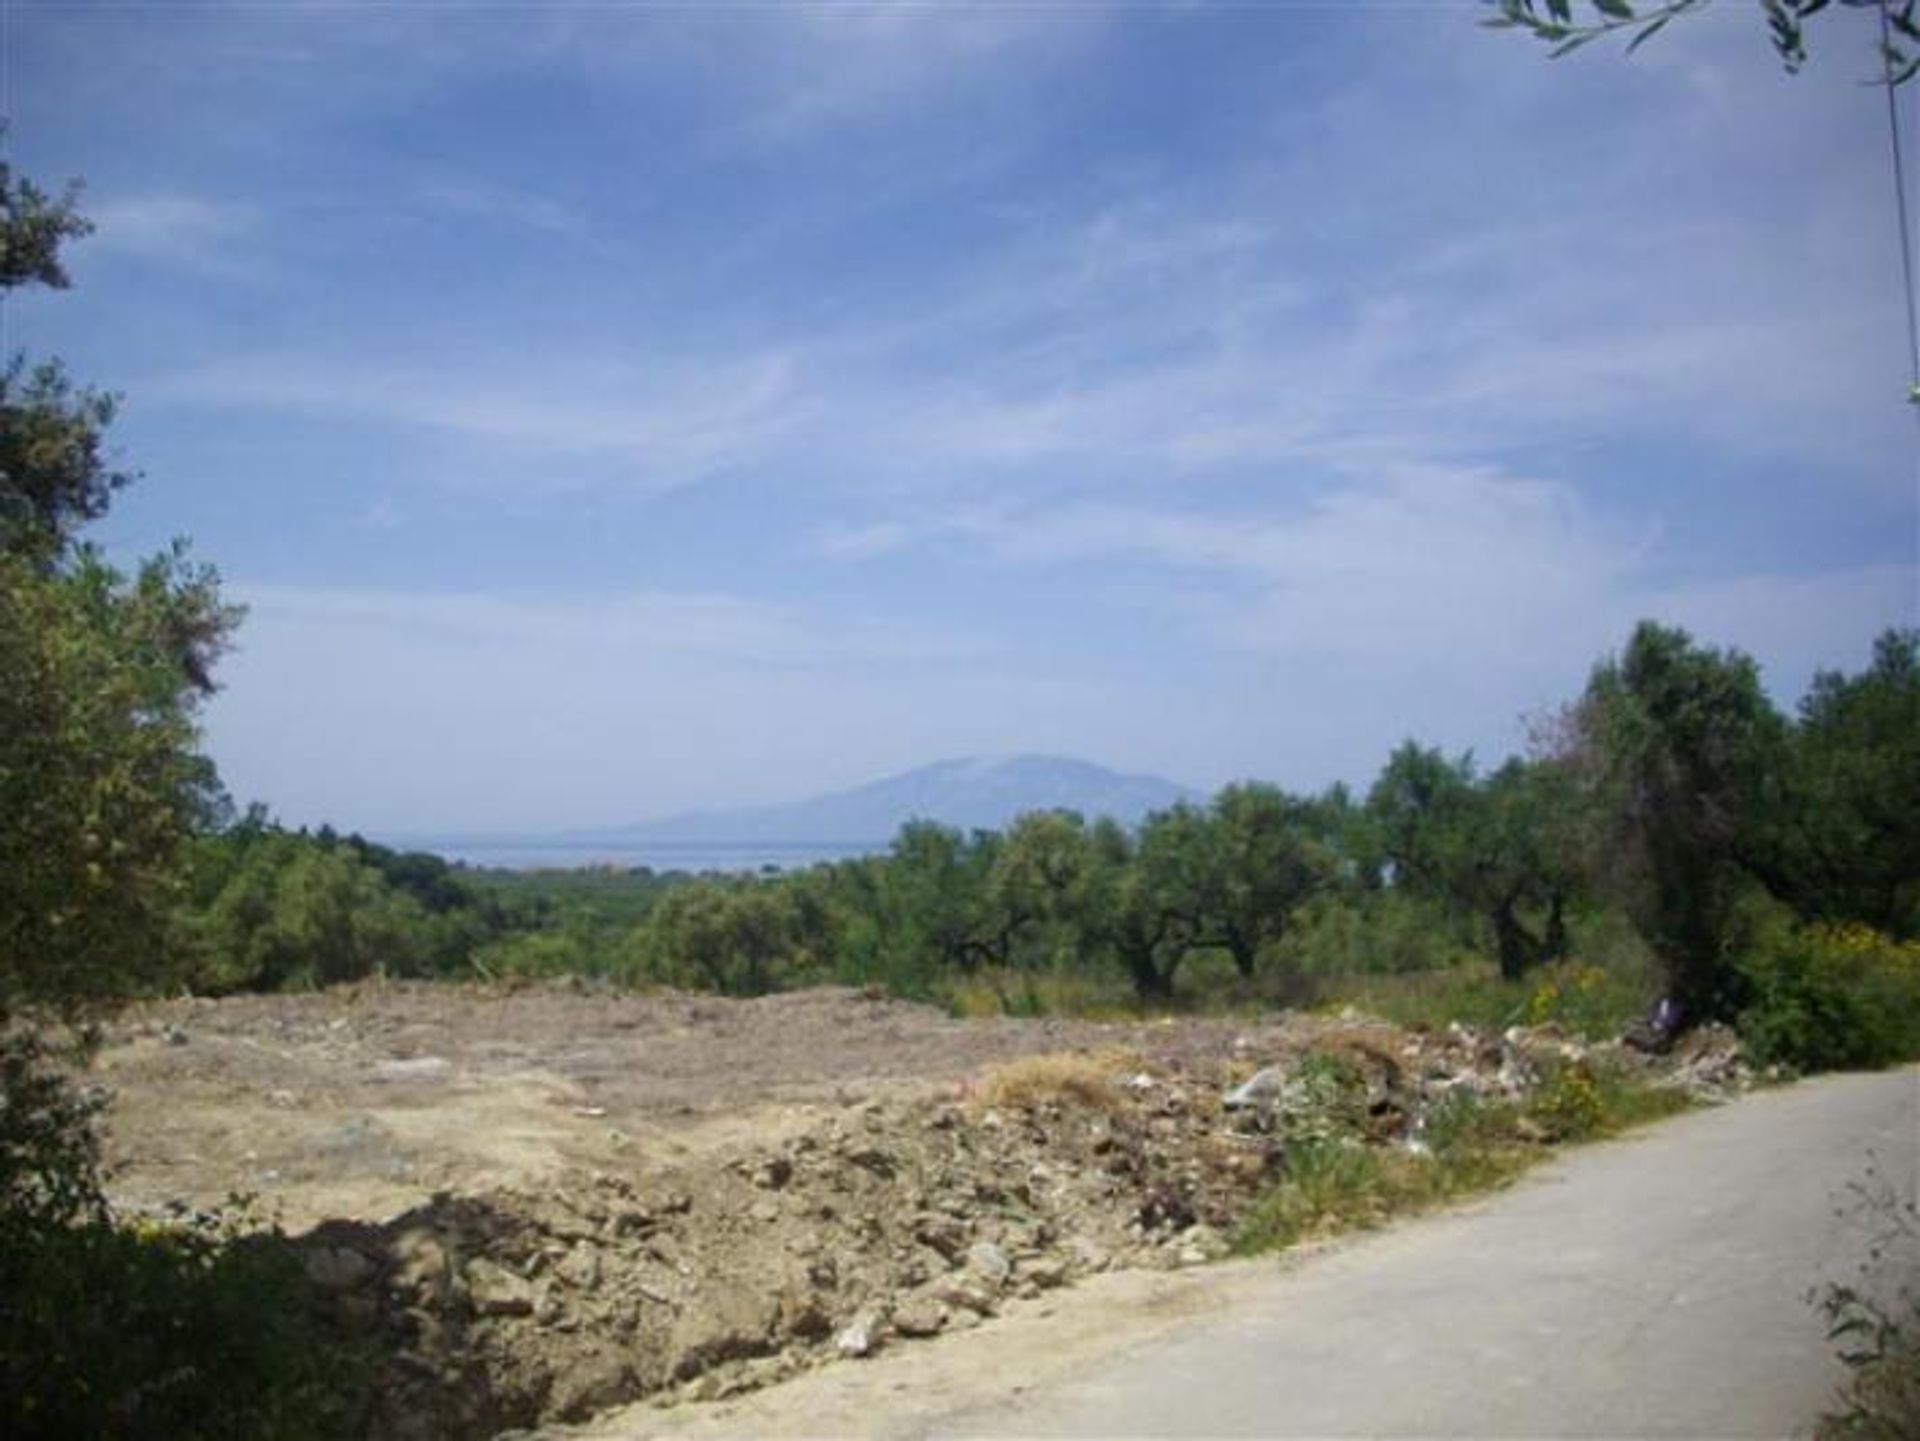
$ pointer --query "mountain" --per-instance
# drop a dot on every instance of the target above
(980, 792)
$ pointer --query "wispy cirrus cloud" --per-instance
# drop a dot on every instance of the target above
(213, 237)
(1495, 575)
(661, 427)
(651, 628)
(827, 66)
(487, 202)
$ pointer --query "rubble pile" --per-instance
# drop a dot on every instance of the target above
(891, 1220)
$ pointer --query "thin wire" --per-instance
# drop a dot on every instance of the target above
(1906, 268)
(1900, 200)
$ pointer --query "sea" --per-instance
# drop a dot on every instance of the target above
(694, 858)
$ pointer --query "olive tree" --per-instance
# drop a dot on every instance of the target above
(101, 778)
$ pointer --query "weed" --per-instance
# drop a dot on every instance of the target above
(1058, 991)
(1581, 998)
(1566, 1105)
(1069, 1078)
(1875, 1321)
(1330, 1185)
(1465, 1144)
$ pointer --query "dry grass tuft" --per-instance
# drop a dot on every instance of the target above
(1070, 1078)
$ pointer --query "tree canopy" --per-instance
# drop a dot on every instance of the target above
(101, 672)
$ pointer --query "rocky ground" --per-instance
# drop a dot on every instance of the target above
(546, 1202)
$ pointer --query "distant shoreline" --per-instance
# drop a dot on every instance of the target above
(566, 855)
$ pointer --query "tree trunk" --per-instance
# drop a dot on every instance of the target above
(1244, 954)
(1558, 945)
(1150, 983)
(1519, 951)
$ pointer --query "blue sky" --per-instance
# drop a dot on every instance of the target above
(612, 409)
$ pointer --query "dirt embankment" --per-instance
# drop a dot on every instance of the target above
(540, 1204)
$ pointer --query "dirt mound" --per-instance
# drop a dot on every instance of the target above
(859, 1171)
(897, 1219)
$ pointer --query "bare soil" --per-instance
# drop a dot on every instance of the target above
(362, 1101)
(541, 1203)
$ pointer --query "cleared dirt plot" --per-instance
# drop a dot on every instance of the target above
(539, 1203)
(360, 1101)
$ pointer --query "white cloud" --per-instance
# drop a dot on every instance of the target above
(504, 205)
(1796, 624)
(185, 231)
(1513, 580)
(650, 629)
(862, 542)
(666, 426)
(828, 65)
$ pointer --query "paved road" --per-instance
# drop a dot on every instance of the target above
(1656, 1286)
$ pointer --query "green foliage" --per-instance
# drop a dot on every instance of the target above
(1331, 1185)
(1386, 932)
(100, 674)
(1066, 990)
(1566, 25)
(54, 474)
(1462, 1126)
(267, 908)
(1334, 1182)
(114, 1330)
(111, 1329)
(1584, 1100)
(1690, 754)
(49, 1158)
(1268, 855)
(610, 896)
(545, 954)
(1587, 1000)
(934, 901)
(33, 227)
(100, 783)
(1494, 848)
(1583, 998)
(740, 938)
(106, 1330)
(1831, 997)
(1844, 847)
(1566, 1104)
(1143, 896)
(1325, 1100)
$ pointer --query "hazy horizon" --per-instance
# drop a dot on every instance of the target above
(616, 412)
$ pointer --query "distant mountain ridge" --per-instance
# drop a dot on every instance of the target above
(980, 792)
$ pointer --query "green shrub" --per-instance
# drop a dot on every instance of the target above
(1583, 1100)
(1830, 997)
(1593, 1001)
(1581, 998)
(1095, 993)
(1567, 1104)
(570, 950)
(109, 1329)
(137, 1330)
(1386, 932)
(1330, 1184)
(49, 1159)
